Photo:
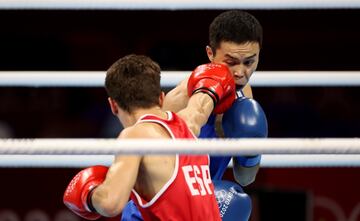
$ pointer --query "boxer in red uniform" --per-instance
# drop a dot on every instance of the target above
(174, 187)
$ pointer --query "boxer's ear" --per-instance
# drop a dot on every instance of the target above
(113, 105)
(209, 53)
(161, 99)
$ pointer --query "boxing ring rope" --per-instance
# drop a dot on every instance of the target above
(176, 4)
(248, 146)
(278, 158)
(267, 161)
(171, 78)
(325, 152)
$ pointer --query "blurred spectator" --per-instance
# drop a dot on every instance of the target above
(5, 130)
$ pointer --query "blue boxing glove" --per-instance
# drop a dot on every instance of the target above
(245, 119)
(234, 204)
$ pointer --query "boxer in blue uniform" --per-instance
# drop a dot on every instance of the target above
(235, 39)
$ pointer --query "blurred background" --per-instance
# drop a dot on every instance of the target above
(91, 40)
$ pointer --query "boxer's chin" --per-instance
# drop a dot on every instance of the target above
(240, 84)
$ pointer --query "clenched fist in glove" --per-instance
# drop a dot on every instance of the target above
(215, 80)
(77, 196)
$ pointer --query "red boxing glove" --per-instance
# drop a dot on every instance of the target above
(77, 196)
(215, 80)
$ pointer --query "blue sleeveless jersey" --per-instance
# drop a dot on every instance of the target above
(218, 164)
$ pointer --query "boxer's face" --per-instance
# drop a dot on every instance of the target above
(242, 59)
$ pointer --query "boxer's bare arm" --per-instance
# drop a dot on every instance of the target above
(176, 99)
(197, 111)
(111, 196)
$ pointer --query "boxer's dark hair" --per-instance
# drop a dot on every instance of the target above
(234, 26)
(134, 82)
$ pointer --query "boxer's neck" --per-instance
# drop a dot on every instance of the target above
(130, 119)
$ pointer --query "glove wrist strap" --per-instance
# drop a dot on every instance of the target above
(89, 203)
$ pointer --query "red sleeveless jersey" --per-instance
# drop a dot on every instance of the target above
(189, 194)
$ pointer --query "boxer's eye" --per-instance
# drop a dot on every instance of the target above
(231, 62)
(249, 62)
